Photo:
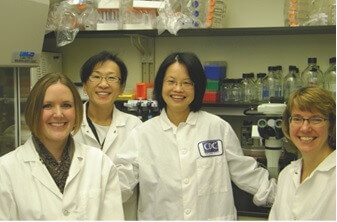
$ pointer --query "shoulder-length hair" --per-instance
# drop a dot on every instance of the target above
(34, 105)
(195, 72)
(312, 99)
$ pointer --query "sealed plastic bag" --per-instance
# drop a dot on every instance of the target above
(172, 17)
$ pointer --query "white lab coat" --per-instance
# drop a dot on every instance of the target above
(120, 128)
(185, 172)
(313, 199)
(28, 192)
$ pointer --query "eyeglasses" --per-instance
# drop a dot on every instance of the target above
(313, 121)
(186, 85)
(98, 78)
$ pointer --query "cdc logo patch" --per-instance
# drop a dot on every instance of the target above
(210, 148)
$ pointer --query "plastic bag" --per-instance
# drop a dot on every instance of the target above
(319, 13)
(136, 18)
(172, 17)
(89, 17)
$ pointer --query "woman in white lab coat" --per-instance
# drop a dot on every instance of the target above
(185, 159)
(104, 126)
(307, 186)
(51, 177)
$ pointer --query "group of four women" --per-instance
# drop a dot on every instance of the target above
(84, 160)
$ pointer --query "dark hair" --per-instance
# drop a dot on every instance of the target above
(100, 58)
(195, 72)
(35, 99)
(312, 98)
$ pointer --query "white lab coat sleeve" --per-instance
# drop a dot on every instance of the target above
(127, 165)
(112, 208)
(7, 203)
(246, 173)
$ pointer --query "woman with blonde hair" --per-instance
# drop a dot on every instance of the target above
(307, 186)
(52, 177)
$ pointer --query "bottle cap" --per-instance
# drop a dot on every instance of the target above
(332, 60)
(261, 75)
(312, 60)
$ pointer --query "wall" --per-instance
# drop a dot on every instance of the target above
(242, 53)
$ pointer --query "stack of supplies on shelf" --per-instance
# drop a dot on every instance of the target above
(215, 71)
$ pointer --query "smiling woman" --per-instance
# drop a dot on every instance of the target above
(185, 159)
(307, 187)
(50, 171)
(104, 126)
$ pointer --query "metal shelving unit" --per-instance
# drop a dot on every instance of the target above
(301, 30)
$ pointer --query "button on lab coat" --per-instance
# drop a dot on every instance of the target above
(185, 173)
(28, 192)
(313, 199)
(120, 128)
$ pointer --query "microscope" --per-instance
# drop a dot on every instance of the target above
(269, 127)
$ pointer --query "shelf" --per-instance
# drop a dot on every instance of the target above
(302, 30)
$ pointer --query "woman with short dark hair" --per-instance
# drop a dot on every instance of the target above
(104, 126)
(185, 159)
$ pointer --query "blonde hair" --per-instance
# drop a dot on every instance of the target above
(35, 99)
(312, 99)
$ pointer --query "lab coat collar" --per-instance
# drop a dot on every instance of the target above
(77, 162)
(167, 124)
(39, 171)
(328, 163)
(117, 118)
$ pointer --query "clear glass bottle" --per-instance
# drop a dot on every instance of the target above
(259, 86)
(312, 63)
(312, 77)
(236, 91)
(245, 89)
(225, 91)
(269, 84)
(278, 76)
(330, 77)
(290, 82)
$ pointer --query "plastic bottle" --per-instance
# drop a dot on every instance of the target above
(290, 82)
(259, 86)
(307, 77)
(296, 12)
(330, 77)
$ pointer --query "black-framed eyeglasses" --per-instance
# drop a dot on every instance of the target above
(313, 121)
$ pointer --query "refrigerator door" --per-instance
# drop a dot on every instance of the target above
(14, 90)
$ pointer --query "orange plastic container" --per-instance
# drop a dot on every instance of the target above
(141, 89)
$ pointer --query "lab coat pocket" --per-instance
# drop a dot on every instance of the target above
(211, 176)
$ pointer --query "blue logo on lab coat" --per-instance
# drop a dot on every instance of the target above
(210, 146)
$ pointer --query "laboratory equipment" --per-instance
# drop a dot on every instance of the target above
(269, 127)
(143, 109)
(21, 45)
